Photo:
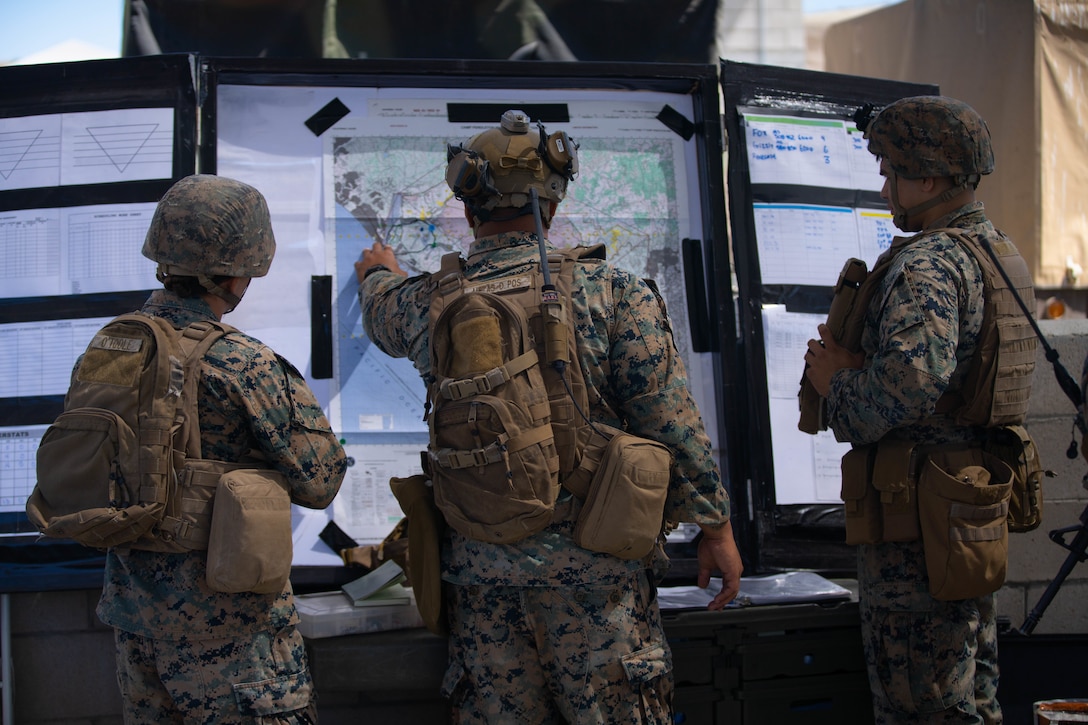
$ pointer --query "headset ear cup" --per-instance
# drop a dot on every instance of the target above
(466, 174)
(561, 154)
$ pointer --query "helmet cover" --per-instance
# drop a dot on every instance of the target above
(213, 226)
(931, 136)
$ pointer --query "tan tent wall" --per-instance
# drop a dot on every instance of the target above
(1021, 65)
(1062, 68)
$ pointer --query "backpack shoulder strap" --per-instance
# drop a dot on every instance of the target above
(193, 344)
(446, 284)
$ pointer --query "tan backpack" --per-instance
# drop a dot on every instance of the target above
(508, 428)
(108, 467)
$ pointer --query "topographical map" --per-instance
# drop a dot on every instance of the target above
(630, 195)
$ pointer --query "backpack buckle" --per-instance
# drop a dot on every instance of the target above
(457, 389)
(477, 385)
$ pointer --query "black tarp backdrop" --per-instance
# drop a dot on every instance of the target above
(669, 31)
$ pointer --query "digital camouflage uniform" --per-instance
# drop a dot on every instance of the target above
(929, 661)
(223, 657)
(543, 629)
(185, 653)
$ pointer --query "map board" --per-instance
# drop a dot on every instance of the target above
(344, 164)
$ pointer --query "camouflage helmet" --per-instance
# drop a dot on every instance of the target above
(499, 167)
(207, 226)
(923, 136)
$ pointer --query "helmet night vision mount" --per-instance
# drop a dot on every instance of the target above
(499, 167)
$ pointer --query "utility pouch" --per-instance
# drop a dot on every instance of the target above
(894, 471)
(1015, 446)
(426, 526)
(963, 498)
(249, 546)
(625, 502)
(861, 501)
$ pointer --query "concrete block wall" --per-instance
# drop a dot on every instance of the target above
(1034, 559)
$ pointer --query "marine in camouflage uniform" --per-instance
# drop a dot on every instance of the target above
(929, 661)
(186, 653)
(542, 630)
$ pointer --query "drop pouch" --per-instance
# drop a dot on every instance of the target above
(625, 502)
(963, 500)
(250, 546)
(426, 528)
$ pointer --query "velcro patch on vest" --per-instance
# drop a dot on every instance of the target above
(117, 344)
(112, 360)
(503, 284)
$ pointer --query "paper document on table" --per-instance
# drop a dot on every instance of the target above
(791, 587)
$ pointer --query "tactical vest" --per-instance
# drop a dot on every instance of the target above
(508, 428)
(996, 389)
(998, 384)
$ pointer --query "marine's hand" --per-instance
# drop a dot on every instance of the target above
(718, 552)
(378, 254)
(825, 357)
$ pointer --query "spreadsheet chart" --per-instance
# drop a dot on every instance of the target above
(18, 457)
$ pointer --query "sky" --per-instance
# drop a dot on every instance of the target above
(31, 26)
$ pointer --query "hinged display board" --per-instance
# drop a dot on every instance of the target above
(804, 196)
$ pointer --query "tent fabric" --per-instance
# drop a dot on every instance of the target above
(1024, 68)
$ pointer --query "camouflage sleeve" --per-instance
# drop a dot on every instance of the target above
(913, 355)
(313, 458)
(649, 380)
(394, 311)
(280, 414)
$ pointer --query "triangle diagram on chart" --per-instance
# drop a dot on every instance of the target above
(121, 144)
(14, 146)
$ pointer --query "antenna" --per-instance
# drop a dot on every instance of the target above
(555, 317)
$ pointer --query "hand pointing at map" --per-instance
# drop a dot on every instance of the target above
(379, 255)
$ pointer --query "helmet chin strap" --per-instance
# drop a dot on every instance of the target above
(220, 291)
(901, 217)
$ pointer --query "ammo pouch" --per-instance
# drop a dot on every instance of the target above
(623, 480)
(860, 501)
(963, 498)
(880, 493)
(249, 545)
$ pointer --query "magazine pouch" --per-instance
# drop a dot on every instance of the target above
(894, 477)
(860, 500)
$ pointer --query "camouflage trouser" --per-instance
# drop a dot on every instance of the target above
(260, 678)
(929, 661)
(578, 655)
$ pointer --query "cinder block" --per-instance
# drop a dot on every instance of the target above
(1066, 612)
(1012, 603)
(1034, 557)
